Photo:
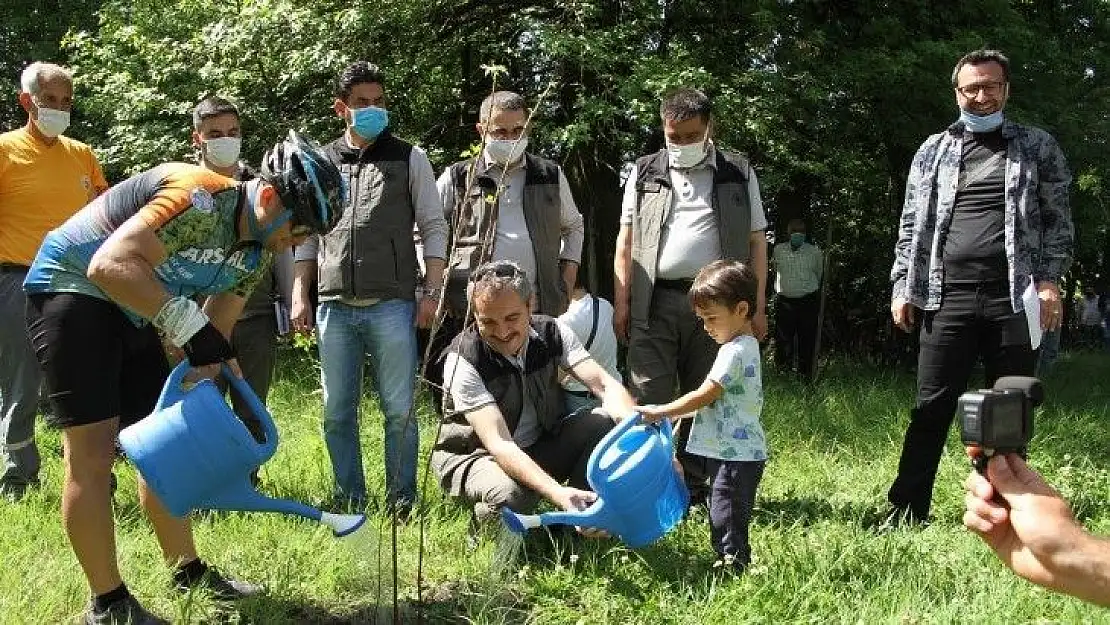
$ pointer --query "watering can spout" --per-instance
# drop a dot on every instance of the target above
(596, 516)
(240, 496)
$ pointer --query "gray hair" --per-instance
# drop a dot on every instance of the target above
(501, 101)
(38, 72)
(979, 57)
(496, 276)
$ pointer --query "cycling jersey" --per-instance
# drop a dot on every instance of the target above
(193, 212)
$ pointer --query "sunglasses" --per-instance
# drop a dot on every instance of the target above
(497, 270)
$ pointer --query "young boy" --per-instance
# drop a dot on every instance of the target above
(726, 427)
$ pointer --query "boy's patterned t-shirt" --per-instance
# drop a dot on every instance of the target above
(729, 428)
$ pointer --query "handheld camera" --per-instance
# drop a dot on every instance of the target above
(1000, 420)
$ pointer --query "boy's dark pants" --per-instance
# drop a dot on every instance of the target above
(731, 500)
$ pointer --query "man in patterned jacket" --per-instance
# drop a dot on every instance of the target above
(986, 217)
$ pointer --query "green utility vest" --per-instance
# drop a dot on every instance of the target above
(370, 253)
(475, 219)
(654, 203)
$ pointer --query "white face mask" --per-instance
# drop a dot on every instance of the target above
(505, 151)
(686, 156)
(52, 122)
(222, 151)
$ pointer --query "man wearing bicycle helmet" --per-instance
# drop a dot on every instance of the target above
(130, 263)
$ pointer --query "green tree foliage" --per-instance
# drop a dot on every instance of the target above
(31, 30)
(830, 99)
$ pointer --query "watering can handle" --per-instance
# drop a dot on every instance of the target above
(667, 428)
(614, 435)
(171, 390)
(256, 407)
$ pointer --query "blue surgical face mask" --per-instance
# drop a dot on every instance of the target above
(369, 122)
(981, 123)
(796, 239)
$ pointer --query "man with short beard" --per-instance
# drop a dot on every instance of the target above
(507, 440)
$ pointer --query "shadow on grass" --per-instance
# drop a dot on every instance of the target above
(669, 561)
(807, 510)
(268, 610)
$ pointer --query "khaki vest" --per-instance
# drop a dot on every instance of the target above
(542, 216)
(654, 203)
(370, 253)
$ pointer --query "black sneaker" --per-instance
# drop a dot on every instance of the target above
(126, 611)
(220, 587)
(14, 491)
(894, 517)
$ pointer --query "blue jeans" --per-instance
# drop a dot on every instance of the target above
(346, 335)
(573, 403)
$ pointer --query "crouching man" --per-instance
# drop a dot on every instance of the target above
(508, 441)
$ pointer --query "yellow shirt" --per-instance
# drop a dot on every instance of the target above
(41, 186)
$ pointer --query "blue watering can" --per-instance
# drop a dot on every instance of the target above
(640, 495)
(194, 453)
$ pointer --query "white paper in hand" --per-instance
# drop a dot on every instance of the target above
(1032, 304)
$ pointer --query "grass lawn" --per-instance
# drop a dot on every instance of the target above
(834, 449)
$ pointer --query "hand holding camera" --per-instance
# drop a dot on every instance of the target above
(999, 420)
(1010, 506)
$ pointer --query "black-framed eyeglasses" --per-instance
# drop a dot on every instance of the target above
(991, 89)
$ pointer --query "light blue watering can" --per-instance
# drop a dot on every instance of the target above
(195, 453)
(640, 495)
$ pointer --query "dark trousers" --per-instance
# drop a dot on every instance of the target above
(796, 331)
(433, 369)
(563, 455)
(731, 501)
(255, 343)
(974, 321)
